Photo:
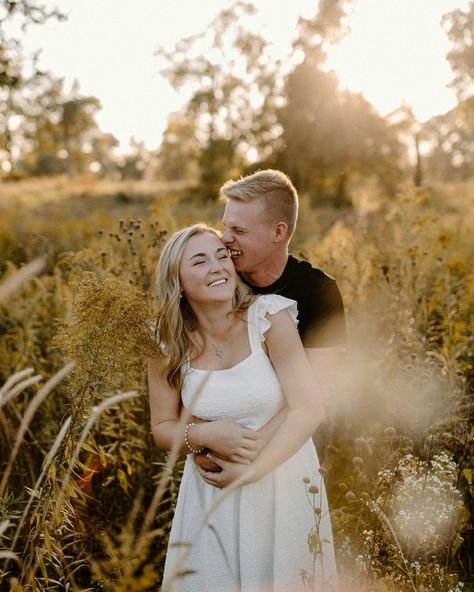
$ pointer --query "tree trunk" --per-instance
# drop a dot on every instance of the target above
(418, 176)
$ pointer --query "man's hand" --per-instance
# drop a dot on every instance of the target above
(231, 473)
(202, 461)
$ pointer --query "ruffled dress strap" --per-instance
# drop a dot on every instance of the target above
(258, 321)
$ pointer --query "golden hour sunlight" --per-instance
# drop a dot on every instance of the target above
(396, 53)
(236, 295)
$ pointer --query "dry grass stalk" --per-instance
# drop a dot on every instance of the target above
(20, 277)
(96, 411)
(28, 416)
(35, 491)
(13, 385)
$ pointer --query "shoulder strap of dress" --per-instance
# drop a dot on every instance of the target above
(255, 335)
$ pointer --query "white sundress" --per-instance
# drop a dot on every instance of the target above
(256, 540)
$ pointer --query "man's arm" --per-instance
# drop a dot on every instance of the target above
(266, 432)
(326, 363)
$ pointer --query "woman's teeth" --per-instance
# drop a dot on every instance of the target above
(217, 283)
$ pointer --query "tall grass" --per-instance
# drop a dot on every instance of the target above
(86, 499)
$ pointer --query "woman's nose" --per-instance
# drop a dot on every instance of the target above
(216, 266)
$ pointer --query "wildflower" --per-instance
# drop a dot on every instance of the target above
(306, 480)
(313, 489)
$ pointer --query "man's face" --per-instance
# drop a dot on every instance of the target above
(248, 235)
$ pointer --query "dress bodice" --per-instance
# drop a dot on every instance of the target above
(248, 392)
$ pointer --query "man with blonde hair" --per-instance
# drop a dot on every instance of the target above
(259, 219)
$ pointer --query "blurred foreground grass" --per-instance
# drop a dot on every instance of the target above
(79, 469)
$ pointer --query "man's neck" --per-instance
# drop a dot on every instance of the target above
(267, 274)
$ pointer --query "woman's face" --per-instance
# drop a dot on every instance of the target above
(206, 271)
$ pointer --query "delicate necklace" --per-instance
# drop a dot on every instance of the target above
(219, 352)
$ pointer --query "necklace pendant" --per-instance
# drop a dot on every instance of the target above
(220, 353)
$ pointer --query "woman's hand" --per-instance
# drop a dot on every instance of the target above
(232, 473)
(227, 440)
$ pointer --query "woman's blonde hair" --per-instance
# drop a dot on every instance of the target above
(176, 319)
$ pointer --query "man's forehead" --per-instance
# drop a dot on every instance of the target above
(239, 213)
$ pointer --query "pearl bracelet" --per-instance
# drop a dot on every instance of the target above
(186, 439)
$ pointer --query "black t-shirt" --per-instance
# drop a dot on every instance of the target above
(320, 307)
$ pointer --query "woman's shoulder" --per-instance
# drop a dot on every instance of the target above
(266, 305)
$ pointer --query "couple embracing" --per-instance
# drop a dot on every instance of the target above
(259, 329)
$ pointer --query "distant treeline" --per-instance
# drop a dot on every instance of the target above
(247, 111)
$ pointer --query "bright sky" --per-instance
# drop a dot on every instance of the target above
(395, 52)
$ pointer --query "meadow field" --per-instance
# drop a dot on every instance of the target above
(86, 498)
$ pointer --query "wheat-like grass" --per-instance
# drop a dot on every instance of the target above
(35, 491)
(20, 277)
(96, 412)
(14, 385)
(28, 416)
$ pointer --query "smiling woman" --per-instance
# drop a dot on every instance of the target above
(255, 416)
(206, 264)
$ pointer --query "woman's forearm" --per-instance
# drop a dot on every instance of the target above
(167, 432)
(227, 438)
(294, 431)
(268, 430)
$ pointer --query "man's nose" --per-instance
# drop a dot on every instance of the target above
(227, 237)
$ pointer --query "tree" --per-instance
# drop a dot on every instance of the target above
(450, 137)
(459, 26)
(330, 135)
(178, 155)
(450, 140)
(235, 88)
(78, 127)
(408, 130)
(13, 66)
(59, 133)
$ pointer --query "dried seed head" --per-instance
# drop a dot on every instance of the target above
(350, 496)
(306, 480)
(390, 431)
(313, 489)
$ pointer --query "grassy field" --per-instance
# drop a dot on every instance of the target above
(86, 499)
